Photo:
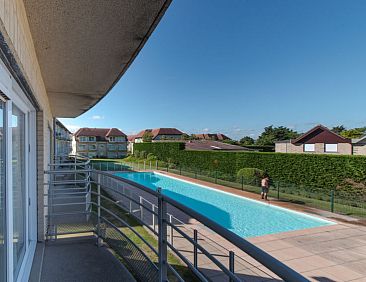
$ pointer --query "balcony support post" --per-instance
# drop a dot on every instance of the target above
(162, 238)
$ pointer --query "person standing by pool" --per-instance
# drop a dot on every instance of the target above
(265, 187)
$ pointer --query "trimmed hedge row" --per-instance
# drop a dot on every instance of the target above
(309, 170)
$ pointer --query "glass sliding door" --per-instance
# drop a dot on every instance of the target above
(19, 187)
(2, 196)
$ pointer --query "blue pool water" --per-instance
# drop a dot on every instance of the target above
(245, 217)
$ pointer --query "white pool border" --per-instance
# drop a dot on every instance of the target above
(315, 217)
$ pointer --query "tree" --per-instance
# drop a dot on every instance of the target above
(272, 134)
(147, 137)
(186, 137)
(246, 140)
(338, 129)
(354, 132)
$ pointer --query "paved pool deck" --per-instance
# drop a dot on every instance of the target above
(329, 253)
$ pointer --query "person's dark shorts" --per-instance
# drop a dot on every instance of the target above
(264, 189)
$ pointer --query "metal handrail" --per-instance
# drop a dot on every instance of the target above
(164, 221)
(256, 253)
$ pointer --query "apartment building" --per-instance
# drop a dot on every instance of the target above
(57, 60)
(100, 143)
(63, 139)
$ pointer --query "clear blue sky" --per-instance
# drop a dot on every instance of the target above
(237, 66)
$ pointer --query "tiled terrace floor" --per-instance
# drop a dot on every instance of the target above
(76, 259)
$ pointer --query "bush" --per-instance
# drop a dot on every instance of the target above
(250, 175)
(312, 171)
(136, 154)
(151, 157)
(143, 154)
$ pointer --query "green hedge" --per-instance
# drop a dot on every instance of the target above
(315, 172)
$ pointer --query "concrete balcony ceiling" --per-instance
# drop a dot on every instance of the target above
(85, 46)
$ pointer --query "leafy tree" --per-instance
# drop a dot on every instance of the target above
(338, 129)
(147, 137)
(354, 132)
(186, 136)
(246, 140)
(272, 134)
(231, 142)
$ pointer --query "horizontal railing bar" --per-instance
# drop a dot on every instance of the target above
(175, 273)
(143, 188)
(63, 171)
(133, 243)
(71, 193)
(66, 182)
(67, 213)
(127, 225)
(188, 263)
(205, 252)
(128, 197)
(67, 204)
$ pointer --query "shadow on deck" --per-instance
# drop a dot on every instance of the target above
(76, 259)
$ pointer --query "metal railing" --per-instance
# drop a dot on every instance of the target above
(152, 234)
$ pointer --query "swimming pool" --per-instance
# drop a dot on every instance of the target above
(243, 216)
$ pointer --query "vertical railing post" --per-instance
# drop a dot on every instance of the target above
(156, 164)
(107, 166)
(144, 165)
(162, 238)
(180, 169)
(195, 249)
(141, 208)
(99, 242)
(170, 230)
(138, 165)
(150, 165)
(242, 182)
(216, 176)
(153, 217)
(278, 190)
(231, 262)
(332, 200)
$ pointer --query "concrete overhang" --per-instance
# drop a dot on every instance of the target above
(85, 46)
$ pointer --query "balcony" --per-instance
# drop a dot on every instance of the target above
(100, 227)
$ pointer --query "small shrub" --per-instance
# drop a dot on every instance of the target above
(143, 154)
(136, 153)
(250, 175)
(151, 157)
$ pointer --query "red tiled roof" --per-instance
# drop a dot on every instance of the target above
(210, 136)
(159, 131)
(320, 134)
(209, 145)
(131, 138)
(99, 132)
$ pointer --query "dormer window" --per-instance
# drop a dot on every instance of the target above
(116, 139)
(87, 138)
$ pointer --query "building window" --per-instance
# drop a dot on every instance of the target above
(122, 147)
(116, 139)
(92, 147)
(331, 148)
(81, 147)
(87, 139)
(111, 147)
(309, 147)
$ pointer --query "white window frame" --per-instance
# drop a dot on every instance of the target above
(16, 96)
(327, 150)
(307, 150)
